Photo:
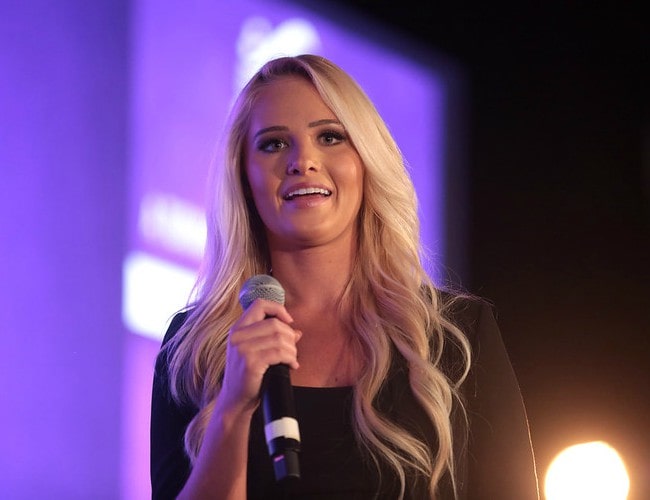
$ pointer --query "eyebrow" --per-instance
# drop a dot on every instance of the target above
(282, 128)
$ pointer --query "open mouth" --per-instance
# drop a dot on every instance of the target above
(291, 195)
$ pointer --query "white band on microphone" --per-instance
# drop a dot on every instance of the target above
(285, 427)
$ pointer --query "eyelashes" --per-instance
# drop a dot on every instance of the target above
(274, 144)
(271, 145)
(332, 137)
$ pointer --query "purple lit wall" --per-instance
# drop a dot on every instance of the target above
(63, 138)
(109, 116)
(187, 66)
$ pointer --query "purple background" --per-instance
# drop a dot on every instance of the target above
(183, 70)
(63, 144)
(557, 167)
(85, 130)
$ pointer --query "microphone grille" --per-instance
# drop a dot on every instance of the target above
(261, 286)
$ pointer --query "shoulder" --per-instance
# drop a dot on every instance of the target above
(166, 350)
(162, 377)
(470, 313)
(178, 320)
(170, 343)
(474, 318)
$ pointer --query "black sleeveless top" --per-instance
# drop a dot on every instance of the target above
(493, 457)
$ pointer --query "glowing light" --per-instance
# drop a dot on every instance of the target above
(172, 223)
(589, 471)
(259, 42)
(153, 290)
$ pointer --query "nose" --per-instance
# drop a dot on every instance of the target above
(302, 160)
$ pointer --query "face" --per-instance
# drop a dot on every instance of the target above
(305, 176)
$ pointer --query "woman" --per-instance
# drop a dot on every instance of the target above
(401, 390)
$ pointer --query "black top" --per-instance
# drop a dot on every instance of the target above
(493, 459)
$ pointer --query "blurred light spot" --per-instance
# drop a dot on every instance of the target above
(172, 223)
(153, 290)
(589, 471)
(259, 42)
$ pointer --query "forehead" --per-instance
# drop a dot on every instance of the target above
(288, 100)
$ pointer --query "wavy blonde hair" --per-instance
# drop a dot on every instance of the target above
(390, 301)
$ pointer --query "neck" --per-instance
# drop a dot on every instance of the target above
(314, 277)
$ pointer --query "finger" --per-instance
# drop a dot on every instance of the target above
(268, 327)
(284, 340)
(268, 333)
(247, 362)
(251, 351)
(261, 309)
(271, 355)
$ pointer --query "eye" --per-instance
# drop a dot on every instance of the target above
(332, 137)
(271, 145)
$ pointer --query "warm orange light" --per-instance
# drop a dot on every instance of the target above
(589, 471)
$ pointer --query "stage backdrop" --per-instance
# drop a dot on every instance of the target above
(64, 74)
(111, 113)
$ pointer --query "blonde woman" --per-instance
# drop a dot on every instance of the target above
(401, 390)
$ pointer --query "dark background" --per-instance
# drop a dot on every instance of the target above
(557, 222)
(558, 205)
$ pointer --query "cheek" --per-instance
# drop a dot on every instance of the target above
(261, 185)
(358, 179)
(255, 177)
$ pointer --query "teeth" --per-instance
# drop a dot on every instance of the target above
(304, 191)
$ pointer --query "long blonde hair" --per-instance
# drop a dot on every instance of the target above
(390, 301)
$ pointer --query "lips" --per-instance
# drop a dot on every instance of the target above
(294, 193)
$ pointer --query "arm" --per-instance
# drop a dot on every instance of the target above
(219, 471)
(170, 466)
(501, 463)
(220, 468)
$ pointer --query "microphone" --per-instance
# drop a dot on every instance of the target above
(280, 424)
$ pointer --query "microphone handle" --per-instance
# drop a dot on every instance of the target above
(281, 425)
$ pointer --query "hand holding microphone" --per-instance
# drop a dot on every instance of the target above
(280, 423)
